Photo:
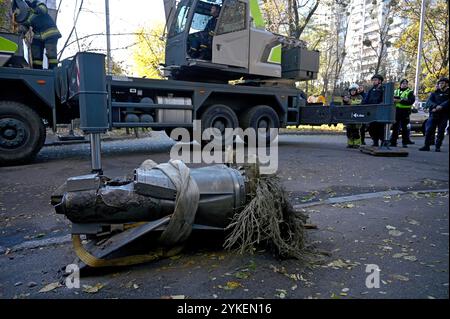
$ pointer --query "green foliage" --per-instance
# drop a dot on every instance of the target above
(435, 41)
(149, 52)
(117, 68)
(289, 17)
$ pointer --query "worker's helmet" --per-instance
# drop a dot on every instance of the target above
(444, 79)
(404, 80)
(353, 86)
(378, 76)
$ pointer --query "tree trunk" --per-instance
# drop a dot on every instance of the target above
(5, 16)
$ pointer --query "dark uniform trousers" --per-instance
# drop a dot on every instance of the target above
(201, 42)
(433, 122)
(376, 130)
(401, 120)
(37, 50)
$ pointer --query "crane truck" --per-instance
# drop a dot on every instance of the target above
(246, 79)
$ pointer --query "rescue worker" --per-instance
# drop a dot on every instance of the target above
(355, 97)
(45, 32)
(438, 107)
(375, 96)
(404, 98)
(201, 43)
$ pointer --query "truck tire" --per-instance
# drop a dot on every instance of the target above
(261, 116)
(22, 133)
(221, 117)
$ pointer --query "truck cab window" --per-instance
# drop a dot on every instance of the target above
(179, 24)
(203, 15)
(199, 22)
(233, 17)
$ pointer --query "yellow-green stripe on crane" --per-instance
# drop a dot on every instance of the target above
(7, 46)
(256, 14)
(275, 54)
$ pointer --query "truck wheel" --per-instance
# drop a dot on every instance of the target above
(219, 117)
(261, 117)
(22, 133)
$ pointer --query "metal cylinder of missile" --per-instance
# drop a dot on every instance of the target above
(151, 196)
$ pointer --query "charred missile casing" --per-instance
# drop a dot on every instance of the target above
(151, 195)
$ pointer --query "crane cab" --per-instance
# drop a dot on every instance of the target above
(221, 40)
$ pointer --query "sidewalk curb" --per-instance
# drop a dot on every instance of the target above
(365, 196)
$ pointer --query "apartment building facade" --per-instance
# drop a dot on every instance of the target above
(368, 22)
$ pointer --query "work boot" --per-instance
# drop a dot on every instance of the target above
(409, 142)
(438, 149)
(404, 145)
(350, 143)
(425, 148)
(375, 143)
(392, 144)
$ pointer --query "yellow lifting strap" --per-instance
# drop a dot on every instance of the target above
(179, 224)
(95, 262)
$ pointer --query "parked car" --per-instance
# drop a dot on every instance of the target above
(418, 118)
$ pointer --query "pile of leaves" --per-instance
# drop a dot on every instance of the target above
(268, 219)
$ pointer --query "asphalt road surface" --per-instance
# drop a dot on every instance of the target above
(404, 235)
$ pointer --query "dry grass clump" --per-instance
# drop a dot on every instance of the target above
(268, 219)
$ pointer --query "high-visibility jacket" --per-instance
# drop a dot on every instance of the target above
(44, 28)
(355, 99)
(406, 97)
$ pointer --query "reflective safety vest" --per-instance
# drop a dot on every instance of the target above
(355, 99)
(403, 96)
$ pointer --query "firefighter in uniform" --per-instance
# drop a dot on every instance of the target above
(438, 106)
(375, 96)
(45, 32)
(355, 97)
(404, 98)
